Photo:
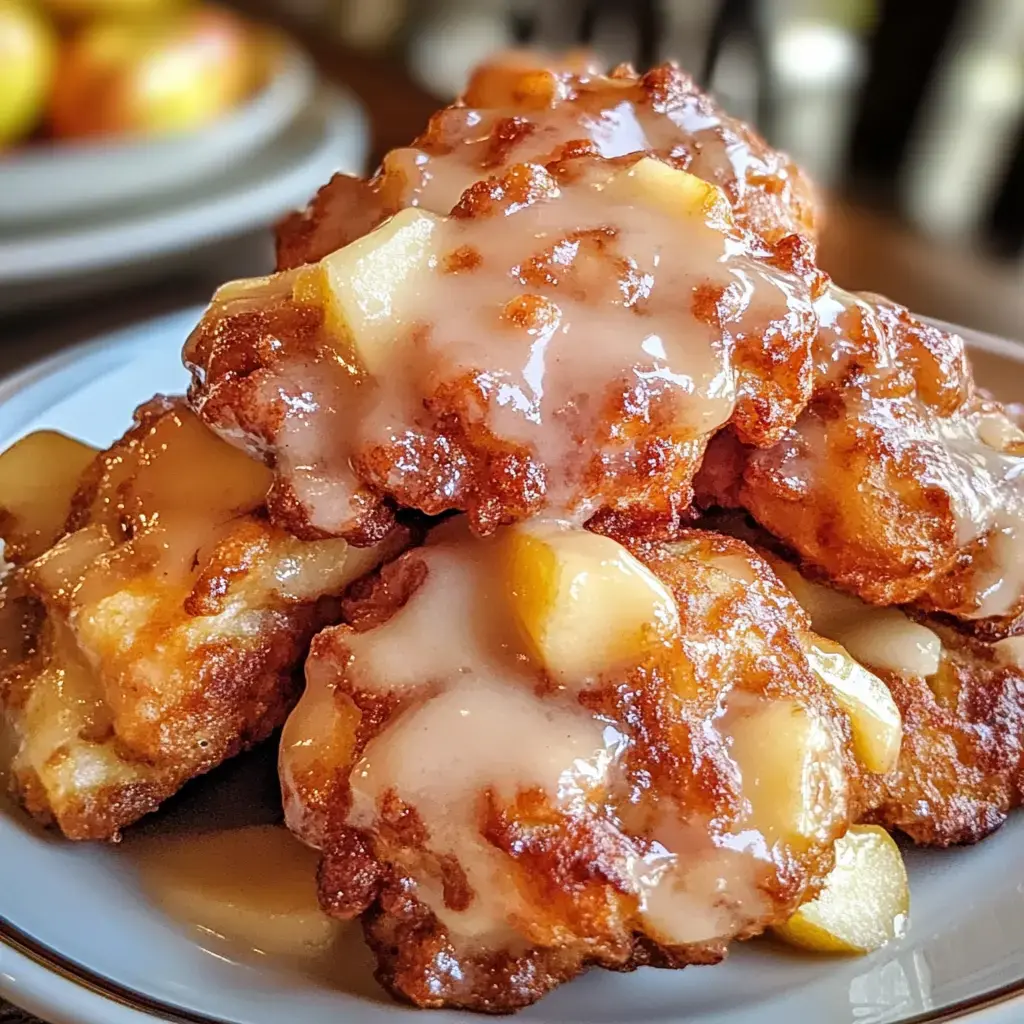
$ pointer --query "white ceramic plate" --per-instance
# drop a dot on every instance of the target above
(80, 942)
(50, 181)
(110, 248)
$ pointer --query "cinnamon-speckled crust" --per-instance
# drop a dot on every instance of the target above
(768, 192)
(864, 488)
(240, 687)
(132, 661)
(416, 965)
(741, 632)
(267, 375)
(961, 767)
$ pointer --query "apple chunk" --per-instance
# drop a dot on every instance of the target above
(884, 638)
(582, 601)
(677, 193)
(38, 478)
(874, 717)
(864, 903)
(791, 771)
(371, 288)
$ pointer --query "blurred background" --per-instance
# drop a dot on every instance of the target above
(145, 145)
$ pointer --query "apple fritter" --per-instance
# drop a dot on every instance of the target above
(161, 632)
(962, 766)
(518, 111)
(538, 752)
(961, 763)
(557, 343)
(899, 482)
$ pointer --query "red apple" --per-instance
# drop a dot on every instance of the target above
(152, 77)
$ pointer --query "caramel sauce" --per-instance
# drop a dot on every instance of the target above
(253, 887)
(249, 894)
(112, 640)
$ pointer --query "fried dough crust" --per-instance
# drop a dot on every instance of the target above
(898, 479)
(539, 260)
(162, 633)
(515, 111)
(961, 764)
(480, 411)
(570, 900)
(961, 767)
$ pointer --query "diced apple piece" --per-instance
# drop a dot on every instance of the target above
(522, 80)
(1010, 651)
(791, 771)
(874, 717)
(889, 640)
(38, 478)
(828, 608)
(256, 289)
(885, 638)
(583, 602)
(671, 191)
(865, 901)
(58, 569)
(370, 288)
(220, 477)
(522, 89)
(182, 467)
(1000, 432)
(302, 570)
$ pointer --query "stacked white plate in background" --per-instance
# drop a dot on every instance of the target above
(82, 217)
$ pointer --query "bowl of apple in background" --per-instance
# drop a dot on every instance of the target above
(106, 102)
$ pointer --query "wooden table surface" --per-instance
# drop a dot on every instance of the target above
(12, 1015)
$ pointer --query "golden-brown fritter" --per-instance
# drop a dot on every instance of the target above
(961, 762)
(961, 769)
(162, 632)
(500, 828)
(516, 110)
(562, 342)
(898, 483)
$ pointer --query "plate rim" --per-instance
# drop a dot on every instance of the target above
(290, 82)
(342, 139)
(43, 981)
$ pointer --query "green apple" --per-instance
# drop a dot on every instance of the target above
(865, 901)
